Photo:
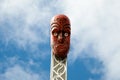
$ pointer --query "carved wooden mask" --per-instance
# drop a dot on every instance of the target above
(60, 35)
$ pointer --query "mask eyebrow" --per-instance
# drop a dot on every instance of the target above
(54, 28)
(67, 26)
(54, 25)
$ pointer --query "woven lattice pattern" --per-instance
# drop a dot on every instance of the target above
(58, 69)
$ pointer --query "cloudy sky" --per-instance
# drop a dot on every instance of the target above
(25, 40)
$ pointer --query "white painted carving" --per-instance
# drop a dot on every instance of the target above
(58, 69)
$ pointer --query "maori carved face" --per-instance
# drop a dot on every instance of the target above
(60, 35)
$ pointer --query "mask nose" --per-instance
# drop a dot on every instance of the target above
(60, 38)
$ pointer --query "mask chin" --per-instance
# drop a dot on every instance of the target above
(61, 53)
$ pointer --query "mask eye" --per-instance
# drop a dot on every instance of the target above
(66, 34)
(55, 34)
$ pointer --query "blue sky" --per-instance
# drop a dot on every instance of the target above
(25, 40)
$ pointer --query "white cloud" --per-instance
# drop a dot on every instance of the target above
(95, 29)
(15, 69)
(18, 73)
(23, 21)
(25, 24)
(113, 67)
(95, 25)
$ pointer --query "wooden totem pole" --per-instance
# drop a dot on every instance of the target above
(60, 43)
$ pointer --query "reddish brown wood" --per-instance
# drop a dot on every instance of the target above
(60, 35)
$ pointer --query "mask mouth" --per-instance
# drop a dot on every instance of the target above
(61, 46)
(60, 50)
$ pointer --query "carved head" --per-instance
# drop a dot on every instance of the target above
(60, 35)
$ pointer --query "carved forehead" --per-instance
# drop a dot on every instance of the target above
(61, 19)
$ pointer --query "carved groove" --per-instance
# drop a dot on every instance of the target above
(58, 68)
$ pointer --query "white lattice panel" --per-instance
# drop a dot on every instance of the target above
(58, 68)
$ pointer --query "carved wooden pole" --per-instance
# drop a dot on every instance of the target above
(60, 44)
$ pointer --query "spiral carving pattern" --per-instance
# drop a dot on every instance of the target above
(59, 71)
